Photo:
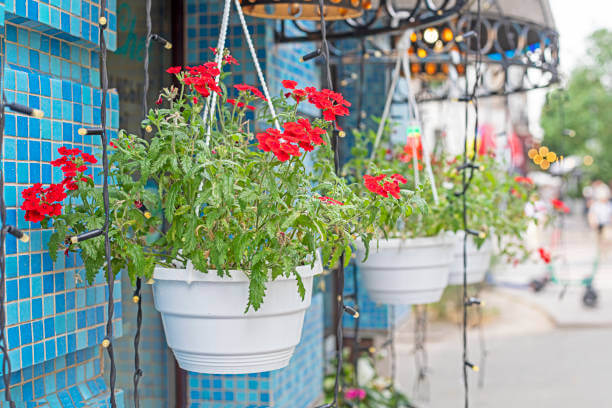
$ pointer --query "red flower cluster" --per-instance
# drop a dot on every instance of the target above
(250, 88)
(523, 180)
(545, 255)
(409, 152)
(560, 206)
(40, 202)
(289, 84)
(240, 104)
(383, 187)
(295, 135)
(228, 59)
(331, 103)
(202, 78)
(328, 200)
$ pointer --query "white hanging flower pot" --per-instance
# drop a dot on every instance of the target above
(478, 261)
(412, 271)
(208, 331)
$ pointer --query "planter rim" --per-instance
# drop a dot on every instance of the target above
(190, 274)
(444, 238)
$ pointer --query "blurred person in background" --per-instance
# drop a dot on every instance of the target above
(598, 203)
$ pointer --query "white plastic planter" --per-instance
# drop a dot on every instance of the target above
(478, 261)
(412, 271)
(208, 331)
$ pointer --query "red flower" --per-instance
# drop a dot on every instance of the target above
(545, 255)
(328, 200)
(331, 103)
(159, 101)
(203, 78)
(112, 144)
(137, 203)
(236, 103)
(174, 70)
(515, 193)
(64, 151)
(295, 135)
(373, 184)
(249, 107)
(59, 162)
(88, 158)
(82, 168)
(414, 143)
(195, 100)
(560, 206)
(387, 187)
(400, 178)
(214, 50)
(230, 60)
(33, 216)
(288, 84)
(250, 88)
(524, 180)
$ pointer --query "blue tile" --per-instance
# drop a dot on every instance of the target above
(38, 331)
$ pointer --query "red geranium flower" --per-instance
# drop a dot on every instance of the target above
(250, 88)
(89, 158)
(523, 180)
(288, 84)
(331, 103)
(203, 78)
(560, 206)
(159, 101)
(545, 255)
(230, 60)
(383, 187)
(174, 70)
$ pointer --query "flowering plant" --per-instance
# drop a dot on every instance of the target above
(393, 166)
(369, 390)
(213, 190)
(496, 203)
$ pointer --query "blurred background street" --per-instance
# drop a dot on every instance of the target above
(542, 350)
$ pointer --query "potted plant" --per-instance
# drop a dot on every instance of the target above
(410, 265)
(219, 215)
(496, 212)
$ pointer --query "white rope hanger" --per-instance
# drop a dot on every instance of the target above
(402, 64)
(209, 110)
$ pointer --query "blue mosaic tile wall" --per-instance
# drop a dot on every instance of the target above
(154, 353)
(298, 385)
(55, 321)
(372, 315)
(72, 20)
(68, 381)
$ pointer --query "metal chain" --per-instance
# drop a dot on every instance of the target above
(421, 387)
(6, 362)
(108, 341)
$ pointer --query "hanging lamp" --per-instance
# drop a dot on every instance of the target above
(304, 9)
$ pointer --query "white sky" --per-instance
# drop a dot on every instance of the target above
(576, 20)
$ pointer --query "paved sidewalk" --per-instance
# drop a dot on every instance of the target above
(573, 260)
(530, 363)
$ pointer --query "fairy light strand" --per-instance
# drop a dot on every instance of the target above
(469, 166)
(108, 341)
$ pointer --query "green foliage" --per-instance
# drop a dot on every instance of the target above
(583, 108)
